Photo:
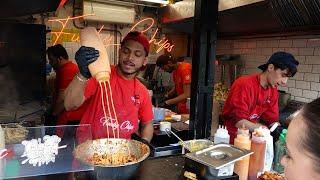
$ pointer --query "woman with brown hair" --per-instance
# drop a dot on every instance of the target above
(302, 160)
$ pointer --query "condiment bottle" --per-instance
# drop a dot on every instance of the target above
(242, 141)
(221, 135)
(280, 151)
(258, 146)
(100, 69)
(269, 154)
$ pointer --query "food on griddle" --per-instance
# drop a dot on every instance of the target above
(270, 176)
(194, 146)
(14, 133)
(220, 92)
(190, 175)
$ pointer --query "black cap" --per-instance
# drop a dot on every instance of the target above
(164, 59)
(283, 59)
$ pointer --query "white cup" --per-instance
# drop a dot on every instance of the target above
(165, 125)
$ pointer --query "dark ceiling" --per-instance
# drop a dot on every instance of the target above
(16, 8)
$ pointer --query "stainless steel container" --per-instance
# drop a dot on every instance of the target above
(215, 161)
(108, 146)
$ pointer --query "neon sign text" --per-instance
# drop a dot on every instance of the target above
(75, 37)
(161, 45)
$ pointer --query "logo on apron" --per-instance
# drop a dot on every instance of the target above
(111, 122)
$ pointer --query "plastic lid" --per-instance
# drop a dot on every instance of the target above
(243, 130)
(283, 135)
(258, 135)
(222, 132)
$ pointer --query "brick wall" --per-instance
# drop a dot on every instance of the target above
(305, 85)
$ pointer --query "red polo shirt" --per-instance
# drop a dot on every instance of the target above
(131, 101)
(182, 76)
(249, 100)
(64, 76)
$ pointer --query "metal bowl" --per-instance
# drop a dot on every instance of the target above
(109, 146)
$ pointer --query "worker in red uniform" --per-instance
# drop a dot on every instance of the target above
(181, 73)
(131, 99)
(65, 70)
(253, 99)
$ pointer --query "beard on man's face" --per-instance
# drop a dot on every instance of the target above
(128, 72)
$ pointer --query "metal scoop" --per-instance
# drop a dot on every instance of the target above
(168, 131)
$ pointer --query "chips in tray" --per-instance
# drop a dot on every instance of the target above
(14, 133)
(271, 176)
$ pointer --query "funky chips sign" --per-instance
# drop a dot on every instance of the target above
(64, 34)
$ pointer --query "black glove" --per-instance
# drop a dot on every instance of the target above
(276, 133)
(163, 104)
(144, 141)
(85, 56)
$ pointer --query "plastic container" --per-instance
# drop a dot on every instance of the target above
(100, 69)
(165, 125)
(280, 151)
(242, 141)
(258, 147)
(221, 136)
(159, 114)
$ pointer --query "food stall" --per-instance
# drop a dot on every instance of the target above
(166, 156)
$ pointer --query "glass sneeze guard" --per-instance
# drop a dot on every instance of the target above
(17, 162)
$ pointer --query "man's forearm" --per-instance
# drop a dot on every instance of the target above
(74, 94)
(177, 99)
(58, 107)
(248, 124)
(147, 131)
(171, 92)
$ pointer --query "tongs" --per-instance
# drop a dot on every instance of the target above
(168, 131)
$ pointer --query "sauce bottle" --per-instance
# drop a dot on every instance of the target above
(242, 141)
(100, 69)
(221, 136)
(258, 146)
(269, 154)
(280, 151)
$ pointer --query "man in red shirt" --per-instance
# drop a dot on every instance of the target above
(65, 72)
(253, 99)
(181, 73)
(131, 99)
